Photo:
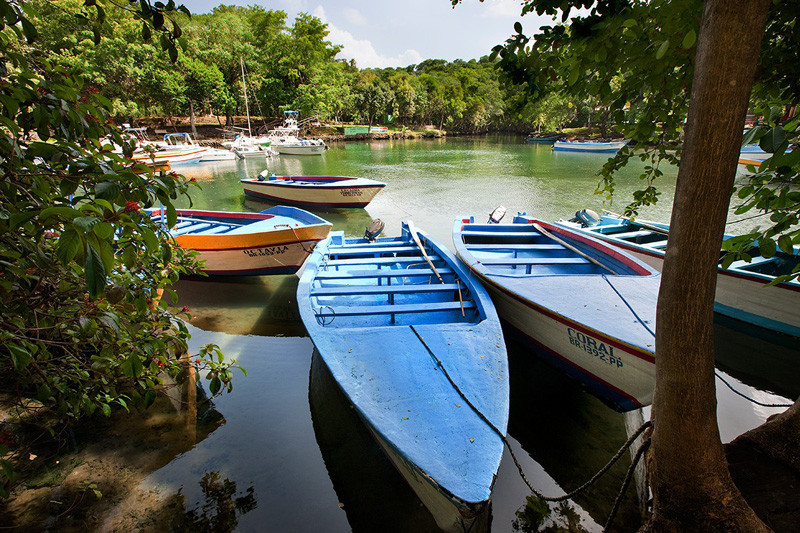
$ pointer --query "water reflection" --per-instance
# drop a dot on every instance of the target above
(765, 362)
(220, 509)
(370, 490)
(571, 434)
(257, 305)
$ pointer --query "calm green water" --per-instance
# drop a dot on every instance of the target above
(299, 458)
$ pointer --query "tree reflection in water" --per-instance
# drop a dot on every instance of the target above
(538, 516)
(221, 509)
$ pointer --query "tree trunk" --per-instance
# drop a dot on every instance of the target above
(692, 488)
(191, 119)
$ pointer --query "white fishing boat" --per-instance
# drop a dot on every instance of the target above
(581, 304)
(589, 147)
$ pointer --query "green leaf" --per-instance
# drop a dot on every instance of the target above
(215, 385)
(689, 40)
(29, 30)
(662, 49)
(767, 248)
(149, 398)
(146, 33)
(518, 27)
(785, 244)
(103, 230)
(629, 23)
(69, 243)
(773, 139)
(95, 271)
(172, 215)
(60, 211)
(19, 356)
(106, 409)
(132, 367)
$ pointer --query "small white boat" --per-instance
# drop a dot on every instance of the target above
(217, 154)
(298, 146)
(313, 191)
(589, 147)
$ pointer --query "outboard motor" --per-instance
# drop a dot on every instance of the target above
(586, 218)
(373, 230)
(263, 175)
(497, 215)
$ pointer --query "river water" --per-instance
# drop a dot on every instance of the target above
(291, 450)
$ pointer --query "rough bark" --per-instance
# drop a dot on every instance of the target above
(692, 488)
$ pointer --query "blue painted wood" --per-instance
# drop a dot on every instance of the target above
(360, 315)
(385, 273)
(650, 239)
(565, 289)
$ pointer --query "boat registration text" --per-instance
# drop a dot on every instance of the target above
(594, 347)
(352, 192)
(275, 250)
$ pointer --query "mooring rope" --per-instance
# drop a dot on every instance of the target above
(642, 322)
(503, 438)
(743, 395)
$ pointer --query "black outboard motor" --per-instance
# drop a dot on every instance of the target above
(373, 230)
(497, 215)
(586, 218)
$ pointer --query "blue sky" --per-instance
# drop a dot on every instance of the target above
(383, 33)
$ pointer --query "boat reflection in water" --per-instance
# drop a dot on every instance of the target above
(253, 305)
(571, 434)
(767, 362)
(371, 491)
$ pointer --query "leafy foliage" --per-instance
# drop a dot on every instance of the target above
(83, 329)
(634, 60)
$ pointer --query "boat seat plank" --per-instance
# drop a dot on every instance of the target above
(372, 250)
(656, 244)
(427, 307)
(380, 260)
(385, 289)
(609, 229)
(501, 234)
(541, 247)
(513, 228)
(535, 261)
(385, 273)
(194, 228)
(633, 234)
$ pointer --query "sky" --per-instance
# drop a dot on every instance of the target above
(389, 33)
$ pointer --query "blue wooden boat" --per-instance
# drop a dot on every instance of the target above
(741, 293)
(416, 347)
(274, 241)
(582, 304)
(544, 140)
(589, 147)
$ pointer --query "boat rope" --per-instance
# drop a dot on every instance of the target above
(628, 477)
(296, 236)
(617, 456)
(749, 398)
(321, 318)
(642, 322)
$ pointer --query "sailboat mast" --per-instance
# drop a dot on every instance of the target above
(246, 106)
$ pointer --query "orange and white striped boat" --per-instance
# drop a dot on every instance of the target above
(173, 157)
(274, 241)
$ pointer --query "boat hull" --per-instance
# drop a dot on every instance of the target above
(438, 403)
(588, 147)
(274, 252)
(621, 374)
(300, 150)
(173, 157)
(322, 196)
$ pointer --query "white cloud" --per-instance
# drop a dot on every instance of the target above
(362, 50)
(354, 16)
